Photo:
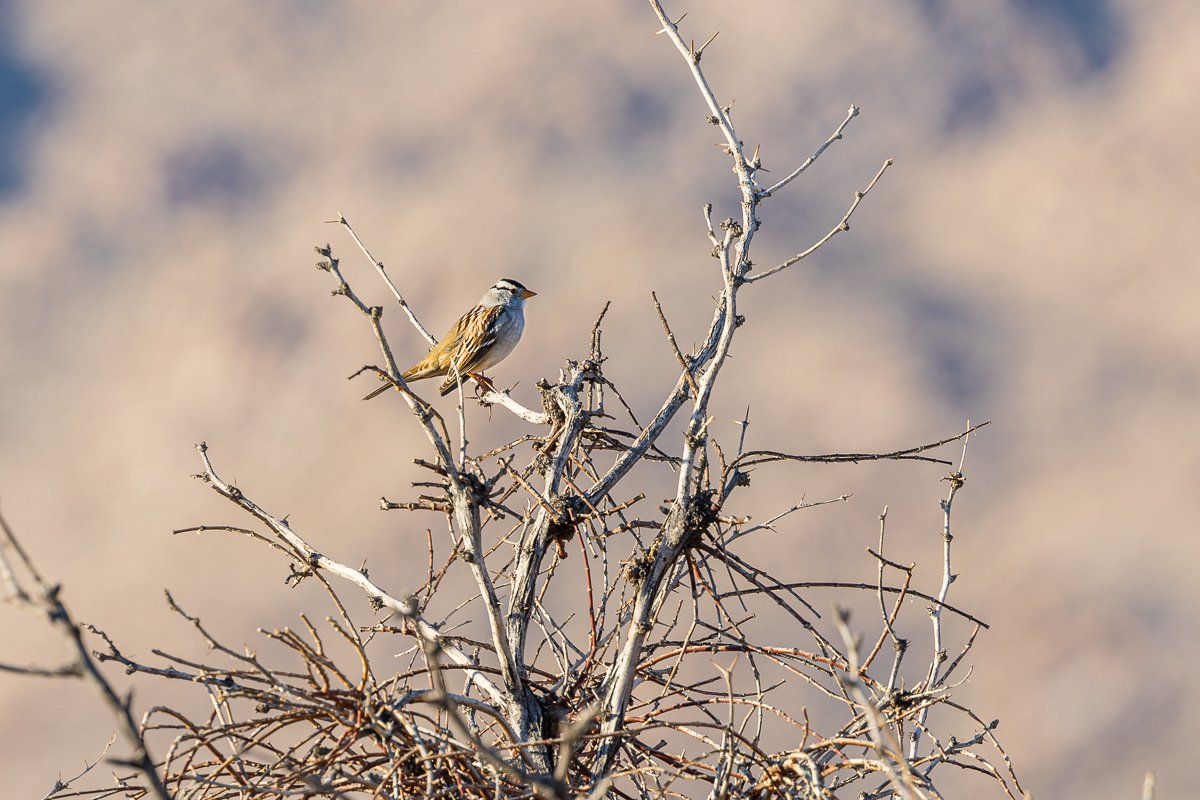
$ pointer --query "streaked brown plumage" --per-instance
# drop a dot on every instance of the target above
(481, 338)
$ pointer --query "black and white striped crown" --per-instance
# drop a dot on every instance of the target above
(510, 285)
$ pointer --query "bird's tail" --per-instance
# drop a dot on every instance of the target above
(378, 391)
(415, 373)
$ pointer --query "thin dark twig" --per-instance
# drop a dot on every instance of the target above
(683, 362)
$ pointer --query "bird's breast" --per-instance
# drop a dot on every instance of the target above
(508, 332)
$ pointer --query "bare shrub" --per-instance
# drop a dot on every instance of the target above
(613, 695)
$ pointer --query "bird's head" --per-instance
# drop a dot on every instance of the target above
(506, 291)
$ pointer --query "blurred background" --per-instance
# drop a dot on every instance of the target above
(166, 169)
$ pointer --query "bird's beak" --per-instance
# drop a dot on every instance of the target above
(527, 294)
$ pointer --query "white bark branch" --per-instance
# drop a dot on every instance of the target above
(412, 317)
(315, 560)
(843, 225)
(837, 135)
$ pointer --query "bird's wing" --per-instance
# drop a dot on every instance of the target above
(462, 349)
(476, 334)
(446, 352)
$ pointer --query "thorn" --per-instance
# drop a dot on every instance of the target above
(755, 162)
(706, 44)
(673, 24)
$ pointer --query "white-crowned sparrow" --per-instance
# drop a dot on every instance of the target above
(481, 338)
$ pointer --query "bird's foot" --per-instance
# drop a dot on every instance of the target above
(483, 385)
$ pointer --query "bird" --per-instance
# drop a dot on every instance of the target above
(482, 338)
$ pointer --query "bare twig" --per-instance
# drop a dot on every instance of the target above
(837, 135)
(683, 364)
(46, 599)
(412, 317)
(843, 225)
